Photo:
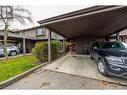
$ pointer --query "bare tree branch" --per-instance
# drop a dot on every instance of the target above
(21, 15)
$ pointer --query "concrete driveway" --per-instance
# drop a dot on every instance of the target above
(69, 72)
(81, 65)
(47, 79)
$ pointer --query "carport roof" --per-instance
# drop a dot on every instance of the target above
(96, 21)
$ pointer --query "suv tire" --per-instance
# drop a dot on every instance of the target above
(13, 53)
(102, 68)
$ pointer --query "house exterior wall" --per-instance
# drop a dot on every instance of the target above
(30, 36)
(30, 33)
(123, 35)
(56, 36)
(123, 38)
(83, 45)
(29, 45)
(11, 34)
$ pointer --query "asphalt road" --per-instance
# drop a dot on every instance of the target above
(47, 79)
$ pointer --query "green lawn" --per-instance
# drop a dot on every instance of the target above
(13, 67)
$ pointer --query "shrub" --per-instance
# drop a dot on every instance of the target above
(41, 50)
(56, 46)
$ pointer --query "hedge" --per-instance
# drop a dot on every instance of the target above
(41, 50)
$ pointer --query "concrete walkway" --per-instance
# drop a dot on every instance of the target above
(83, 66)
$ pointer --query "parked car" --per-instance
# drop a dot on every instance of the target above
(111, 58)
(11, 50)
(26, 50)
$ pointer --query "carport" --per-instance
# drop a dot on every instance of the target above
(21, 42)
(85, 27)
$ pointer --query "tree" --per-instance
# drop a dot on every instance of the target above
(16, 13)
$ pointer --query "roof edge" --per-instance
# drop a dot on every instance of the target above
(78, 12)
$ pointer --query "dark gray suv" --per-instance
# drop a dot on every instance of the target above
(111, 58)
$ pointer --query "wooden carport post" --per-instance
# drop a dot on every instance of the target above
(49, 46)
(24, 44)
(117, 36)
(64, 45)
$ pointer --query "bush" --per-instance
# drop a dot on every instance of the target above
(41, 50)
(56, 46)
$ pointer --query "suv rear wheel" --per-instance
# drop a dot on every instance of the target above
(13, 53)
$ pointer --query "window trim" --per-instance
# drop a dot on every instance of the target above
(42, 32)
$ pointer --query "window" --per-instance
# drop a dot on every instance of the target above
(116, 45)
(125, 45)
(40, 31)
(112, 45)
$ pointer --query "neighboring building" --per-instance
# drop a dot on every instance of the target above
(31, 36)
(122, 36)
(38, 33)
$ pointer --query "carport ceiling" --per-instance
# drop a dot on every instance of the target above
(97, 21)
